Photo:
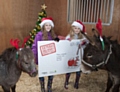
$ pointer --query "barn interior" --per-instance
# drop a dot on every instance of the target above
(18, 18)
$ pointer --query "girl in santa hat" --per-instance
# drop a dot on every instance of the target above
(76, 32)
(46, 33)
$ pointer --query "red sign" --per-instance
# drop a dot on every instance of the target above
(48, 49)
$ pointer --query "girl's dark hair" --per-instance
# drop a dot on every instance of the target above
(45, 33)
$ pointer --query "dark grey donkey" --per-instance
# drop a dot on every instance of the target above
(103, 55)
(13, 61)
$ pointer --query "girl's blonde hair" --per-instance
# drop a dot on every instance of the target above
(80, 36)
(45, 33)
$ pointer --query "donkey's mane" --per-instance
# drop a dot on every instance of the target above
(8, 54)
(115, 46)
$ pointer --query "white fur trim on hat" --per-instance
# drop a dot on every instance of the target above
(47, 21)
(77, 24)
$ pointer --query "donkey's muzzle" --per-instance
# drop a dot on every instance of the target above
(33, 73)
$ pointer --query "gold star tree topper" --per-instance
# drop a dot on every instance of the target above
(43, 6)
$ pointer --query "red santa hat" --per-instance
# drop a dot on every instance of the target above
(47, 20)
(79, 24)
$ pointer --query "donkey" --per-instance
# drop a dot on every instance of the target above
(107, 57)
(13, 61)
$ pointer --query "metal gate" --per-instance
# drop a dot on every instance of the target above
(89, 11)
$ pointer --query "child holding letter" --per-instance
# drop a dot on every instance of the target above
(76, 32)
(46, 33)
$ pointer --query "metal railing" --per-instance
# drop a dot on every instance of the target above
(89, 11)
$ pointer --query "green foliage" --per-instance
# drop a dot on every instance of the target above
(36, 29)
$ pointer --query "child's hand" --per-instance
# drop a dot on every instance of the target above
(61, 37)
(56, 39)
(83, 43)
(69, 39)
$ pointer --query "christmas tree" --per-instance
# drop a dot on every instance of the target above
(37, 28)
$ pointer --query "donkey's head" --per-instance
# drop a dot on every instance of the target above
(95, 55)
(25, 59)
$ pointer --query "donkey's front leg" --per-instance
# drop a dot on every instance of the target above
(13, 88)
(6, 89)
(116, 84)
(109, 82)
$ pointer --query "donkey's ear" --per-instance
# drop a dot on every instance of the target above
(95, 33)
(109, 37)
(19, 52)
(93, 29)
(27, 46)
(106, 40)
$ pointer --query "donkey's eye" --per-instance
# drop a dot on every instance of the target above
(26, 63)
(89, 55)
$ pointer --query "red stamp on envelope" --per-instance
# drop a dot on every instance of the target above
(47, 49)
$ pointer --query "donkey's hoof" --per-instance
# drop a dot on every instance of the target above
(49, 90)
(76, 85)
(66, 85)
(42, 90)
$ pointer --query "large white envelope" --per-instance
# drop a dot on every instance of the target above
(58, 57)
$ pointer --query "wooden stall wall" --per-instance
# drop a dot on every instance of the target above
(58, 10)
(18, 17)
